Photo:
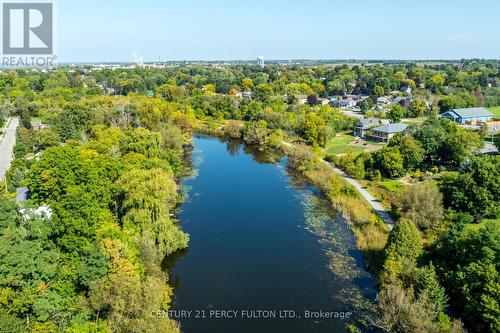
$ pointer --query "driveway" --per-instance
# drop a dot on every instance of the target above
(7, 146)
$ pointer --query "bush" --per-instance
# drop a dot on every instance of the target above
(233, 130)
(422, 204)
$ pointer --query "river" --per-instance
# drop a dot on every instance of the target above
(266, 250)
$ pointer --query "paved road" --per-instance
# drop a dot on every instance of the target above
(7, 145)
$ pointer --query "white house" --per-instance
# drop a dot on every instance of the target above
(301, 99)
(406, 89)
(40, 212)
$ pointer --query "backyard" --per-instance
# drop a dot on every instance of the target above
(345, 142)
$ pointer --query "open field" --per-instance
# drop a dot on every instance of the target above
(411, 121)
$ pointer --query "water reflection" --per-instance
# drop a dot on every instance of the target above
(261, 237)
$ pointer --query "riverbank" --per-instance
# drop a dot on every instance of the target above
(264, 238)
(371, 230)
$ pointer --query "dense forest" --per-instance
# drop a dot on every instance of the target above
(103, 150)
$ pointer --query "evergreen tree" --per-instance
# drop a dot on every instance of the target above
(428, 283)
(402, 250)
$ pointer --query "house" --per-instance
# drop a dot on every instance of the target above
(323, 101)
(406, 89)
(42, 212)
(385, 132)
(247, 95)
(343, 103)
(382, 100)
(363, 125)
(22, 194)
(468, 115)
(404, 101)
(301, 99)
(38, 125)
(362, 96)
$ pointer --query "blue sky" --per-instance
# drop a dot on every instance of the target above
(112, 30)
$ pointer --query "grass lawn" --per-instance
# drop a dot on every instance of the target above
(392, 185)
(495, 110)
(385, 191)
(411, 121)
(339, 145)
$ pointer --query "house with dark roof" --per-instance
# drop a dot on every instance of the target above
(362, 126)
(404, 101)
(385, 132)
(406, 89)
(468, 115)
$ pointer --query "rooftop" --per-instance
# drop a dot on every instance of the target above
(472, 112)
(391, 128)
(22, 194)
(368, 122)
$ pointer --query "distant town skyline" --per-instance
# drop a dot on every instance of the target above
(151, 30)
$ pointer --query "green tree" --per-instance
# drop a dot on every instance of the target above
(312, 129)
(476, 189)
(148, 196)
(467, 260)
(410, 149)
(263, 92)
(171, 92)
(390, 162)
(247, 84)
(378, 91)
(436, 82)
(10, 323)
(256, 133)
(428, 283)
(396, 113)
(418, 107)
(366, 104)
(402, 250)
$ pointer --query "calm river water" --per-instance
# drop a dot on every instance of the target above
(264, 247)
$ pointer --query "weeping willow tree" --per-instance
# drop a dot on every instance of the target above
(148, 197)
